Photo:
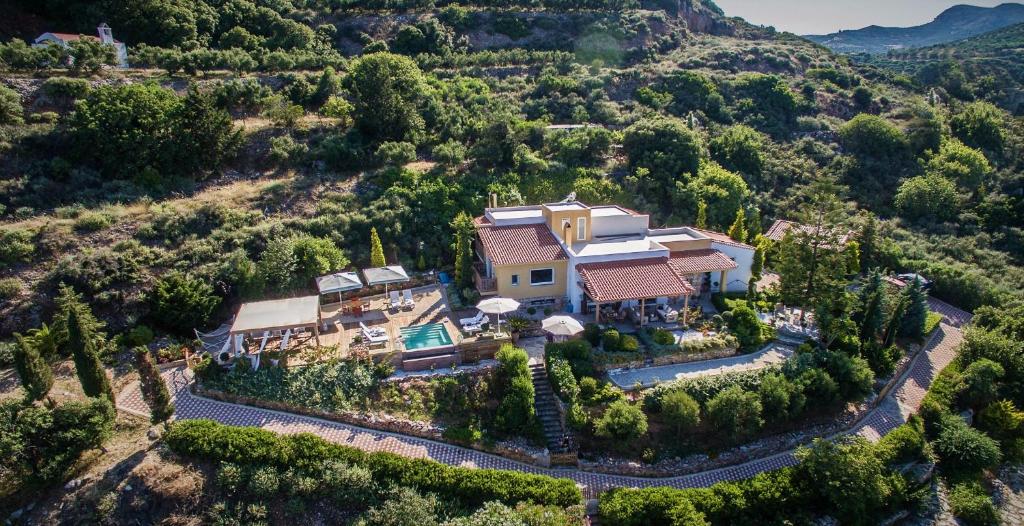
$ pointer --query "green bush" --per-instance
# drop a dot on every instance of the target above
(263, 482)
(93, 222)
(9, 288)
(592, 333)
(904, 444)
(963, 449)
(210, 441)
(229, 477)
(183, 303)
(735, 412)
(629, 343)
(16, 246)
(514, 384)
(611, 341)
(562, 379)
(139, 335)
(622, 421)
(663, 337)
(971, 504)
(681, 411)
(579, 353)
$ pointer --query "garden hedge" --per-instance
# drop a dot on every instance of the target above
(211, 441)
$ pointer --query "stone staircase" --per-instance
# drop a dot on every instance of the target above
(547, 410)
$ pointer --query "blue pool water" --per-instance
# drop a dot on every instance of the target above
(425, 336)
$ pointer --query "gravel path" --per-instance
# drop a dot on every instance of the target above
(904, 399)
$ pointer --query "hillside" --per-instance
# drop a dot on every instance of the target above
(956, 23)
(990, 65)
(255, 145)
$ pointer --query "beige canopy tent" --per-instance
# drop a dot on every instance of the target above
(262, 317)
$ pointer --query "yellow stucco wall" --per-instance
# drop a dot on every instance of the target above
(503, 274)
(554, 220)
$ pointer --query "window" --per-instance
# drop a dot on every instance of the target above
(581, 229)
(542, 276)
(515, 280)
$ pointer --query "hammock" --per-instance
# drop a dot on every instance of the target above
(215, 341)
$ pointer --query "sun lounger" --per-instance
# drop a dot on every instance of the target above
(375, 339)
(667, 313)
(475, 320)
(376, 331)
(472, 329)
(395, 301)
(407, 301)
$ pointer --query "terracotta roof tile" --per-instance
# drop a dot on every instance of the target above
(520, 244)
(612, 281)
(699, 261)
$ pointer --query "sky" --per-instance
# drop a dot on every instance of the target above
(805, 17)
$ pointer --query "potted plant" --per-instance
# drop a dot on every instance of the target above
(516, 325)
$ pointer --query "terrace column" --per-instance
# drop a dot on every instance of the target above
(643, 317)
(686, 309)
(721, 284)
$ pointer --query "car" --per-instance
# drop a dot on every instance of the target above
(909, 278)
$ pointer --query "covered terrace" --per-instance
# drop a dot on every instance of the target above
(632, 284)
(291, 320)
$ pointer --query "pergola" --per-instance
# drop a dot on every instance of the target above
(639, 280)
(385, 276)
(337, 283)
(265, 317)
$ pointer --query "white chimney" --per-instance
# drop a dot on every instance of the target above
(106, 35)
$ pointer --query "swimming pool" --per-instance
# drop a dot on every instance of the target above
(426, 336)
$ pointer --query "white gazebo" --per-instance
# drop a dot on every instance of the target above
(262, 319)
(385, 276)
(335, 284)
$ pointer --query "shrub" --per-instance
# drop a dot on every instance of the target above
(208, 440)
(611, 341)
(1001, 420)
(396, 153)
(562, 379)
(9, 288)
(93, 222)
(621, 421)
(981, 382)
(16, 246)
(965, 450)
(629, 343)
(903, 444)
(592, 333)
(735, 412)
(139, 335)
(263, 482)
(182, 302)
(970, 503)
(515, 390)
(746, 327)
(284, 149)
(663, 337)
(229, 477)
(681, 411)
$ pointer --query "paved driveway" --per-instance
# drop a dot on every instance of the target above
(893, 411)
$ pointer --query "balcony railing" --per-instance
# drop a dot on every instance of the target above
(484, 284)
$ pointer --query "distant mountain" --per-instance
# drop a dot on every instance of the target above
(956, 23)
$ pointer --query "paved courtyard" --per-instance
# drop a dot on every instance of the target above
(651, 376)
(892, 412)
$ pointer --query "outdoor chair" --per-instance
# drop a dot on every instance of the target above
(375, 338)
(376, 331)
(667, 313)
(475, 320)
(395, 302)
(407, 301)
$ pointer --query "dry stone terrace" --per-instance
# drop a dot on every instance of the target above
(891, 412)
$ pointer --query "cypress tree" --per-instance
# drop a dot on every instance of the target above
(738, 230)
(912, 325)
(90, 372)
(872, 307)
(36, 375)
(463, 226)
(376, 250)
(154, 390)
(702, 214)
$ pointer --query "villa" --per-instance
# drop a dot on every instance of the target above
(103, 34)
(602, 260)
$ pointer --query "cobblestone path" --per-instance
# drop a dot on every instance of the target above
(901, 401)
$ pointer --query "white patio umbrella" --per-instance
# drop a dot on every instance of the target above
(498, 306)
(562, 326)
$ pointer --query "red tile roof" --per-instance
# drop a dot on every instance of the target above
(779, 228)
(719, 237)
(520, 244)
(699, 261)
(612, 281)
